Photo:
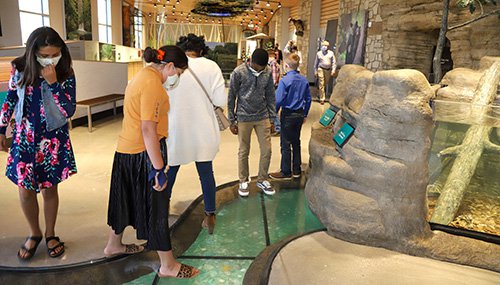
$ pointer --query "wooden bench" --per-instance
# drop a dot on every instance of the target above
(111, 98)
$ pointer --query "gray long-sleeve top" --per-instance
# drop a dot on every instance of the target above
(251, 98)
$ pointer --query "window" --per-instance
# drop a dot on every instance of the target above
(138, 31)
(104, 20)
(33, 14)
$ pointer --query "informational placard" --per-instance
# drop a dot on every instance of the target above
(327, 117)
(343, 135)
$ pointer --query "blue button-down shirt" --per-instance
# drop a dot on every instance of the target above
(293, 93)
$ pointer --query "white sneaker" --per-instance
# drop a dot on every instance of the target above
(243, 190)
(266, 187)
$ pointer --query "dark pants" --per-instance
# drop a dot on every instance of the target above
(291, 125)
(206, 174)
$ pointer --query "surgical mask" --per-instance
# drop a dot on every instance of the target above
(255, 72)
(44, 61)
(324, 48)
(171, 82)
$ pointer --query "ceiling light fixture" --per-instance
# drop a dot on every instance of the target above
(272, 12)
(279, 4)
(268, 4)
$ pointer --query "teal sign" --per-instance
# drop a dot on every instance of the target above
(327, 117)
(343, 135)
(2, 97)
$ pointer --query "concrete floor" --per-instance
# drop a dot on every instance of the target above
(333, 261)
(83, 198)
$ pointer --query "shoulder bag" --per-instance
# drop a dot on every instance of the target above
(223, 121)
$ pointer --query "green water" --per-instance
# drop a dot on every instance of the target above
(240, 235)
(480, 207)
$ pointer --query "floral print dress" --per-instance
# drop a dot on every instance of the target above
(38, 158)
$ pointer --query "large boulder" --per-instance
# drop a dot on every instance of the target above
(371, 183)
(373, 190)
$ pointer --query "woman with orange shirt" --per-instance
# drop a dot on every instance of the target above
(138, 178)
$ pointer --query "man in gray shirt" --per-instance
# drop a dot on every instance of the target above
(324, 67)
(252, 105)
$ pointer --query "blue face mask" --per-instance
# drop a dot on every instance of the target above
(324, 48)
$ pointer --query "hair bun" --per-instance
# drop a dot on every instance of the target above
(150, 55)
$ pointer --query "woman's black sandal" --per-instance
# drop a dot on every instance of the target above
(52, 250)
(30, 252)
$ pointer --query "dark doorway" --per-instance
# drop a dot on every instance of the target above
(446, 60)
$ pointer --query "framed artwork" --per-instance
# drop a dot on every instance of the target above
(353, 32)
(78, 19)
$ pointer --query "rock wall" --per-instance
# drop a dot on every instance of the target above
(374, 41)
(305, 14)
(403, 34)
(411, 29)
(373, 190)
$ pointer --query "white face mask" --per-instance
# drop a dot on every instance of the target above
(48, 60)
(324, 48)
(172, 81)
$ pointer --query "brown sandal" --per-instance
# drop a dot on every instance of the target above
(185, 272)
(129, 249)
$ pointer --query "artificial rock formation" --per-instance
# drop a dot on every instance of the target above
(383, 164)
(373, 191)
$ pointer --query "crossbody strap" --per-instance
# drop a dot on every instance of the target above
(201, 85)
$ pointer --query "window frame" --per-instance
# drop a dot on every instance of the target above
(106, 24)
(45, 16)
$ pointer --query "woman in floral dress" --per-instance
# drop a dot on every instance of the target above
(40, 99)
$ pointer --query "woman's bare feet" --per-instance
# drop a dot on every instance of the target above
(111, 251)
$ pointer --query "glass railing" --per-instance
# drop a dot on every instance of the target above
(467, 176)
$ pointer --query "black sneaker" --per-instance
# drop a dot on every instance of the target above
(297, 175)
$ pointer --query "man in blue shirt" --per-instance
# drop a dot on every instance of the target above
(293, 101)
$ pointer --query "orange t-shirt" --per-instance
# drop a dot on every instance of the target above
(145, 100)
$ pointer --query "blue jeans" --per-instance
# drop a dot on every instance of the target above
(206, 174)
(291, 125)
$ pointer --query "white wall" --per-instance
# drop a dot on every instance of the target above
(11, 26)
(111, 78)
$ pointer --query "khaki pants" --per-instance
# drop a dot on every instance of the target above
(323, 80)
(263, 132)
